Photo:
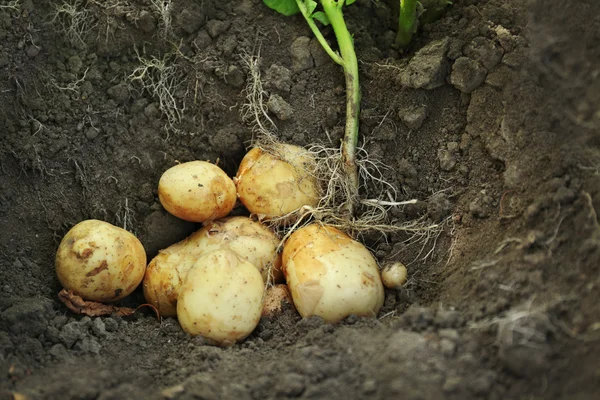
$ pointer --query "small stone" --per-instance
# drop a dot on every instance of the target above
(281, 108)
(452, 384)
(225, 140)
(235, 77)
(453, 147)
(279, 77)
(467, 74)
(91, 133)
(32, 51)
(202, 41)
(119, 93)
(318, 54)
(71, 333)
(75, 64)
(191, 18)
(59, 321)
(98, 327)
(111, 324)
(447, 347)
(215, 27)
(480, 207)
(485, 51)
(506, 39)
(88, 345)
(146, 22)
(447, 160)
(58, 352)
(413, 117)
(438, 207)
(428, 67)
(301, 58)
(152, 111)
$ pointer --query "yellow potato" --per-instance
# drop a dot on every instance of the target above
(165, 275)
(196, 191)
(100, 262)
(251, 240)
(221, 298)
(394, 275)
(331, 275)
(272, 186)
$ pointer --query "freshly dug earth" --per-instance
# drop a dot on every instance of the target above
(491, 121)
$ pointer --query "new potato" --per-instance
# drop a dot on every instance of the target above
(331, 275)
(221, 298)
(197, 191)
(273, 186)
(100, 262)
(251, 240)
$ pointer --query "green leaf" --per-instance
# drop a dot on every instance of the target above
(348, 2)
(310, 6)
(321, 17)
(285, 7)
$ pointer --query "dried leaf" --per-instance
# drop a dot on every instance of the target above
(95, 309)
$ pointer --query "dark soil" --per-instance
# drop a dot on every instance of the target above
(491, 121)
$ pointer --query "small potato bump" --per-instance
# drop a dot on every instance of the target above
(331, 275)
(221, 298)
(197, 191)
(100, 262)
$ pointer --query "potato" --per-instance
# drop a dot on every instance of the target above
(196, 191)
(165, 275)
(221, 298)
(394, 275)
(331, 275)
(100, 262)
(251, 240)
(273, 186)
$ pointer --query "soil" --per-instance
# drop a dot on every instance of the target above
(490, 121)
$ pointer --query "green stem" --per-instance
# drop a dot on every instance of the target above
(407, 22)
(315, 29)
(333, 10)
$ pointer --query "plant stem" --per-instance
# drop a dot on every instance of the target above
(315, 29)
(333, 10)
(407, 22)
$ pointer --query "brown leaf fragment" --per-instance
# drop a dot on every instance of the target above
(95, 309)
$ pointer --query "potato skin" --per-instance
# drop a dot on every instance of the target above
(251, 240)
(331, 275)
(165, 275)
(221, 298)
(272, 186)
(100, 262)
(197, 191)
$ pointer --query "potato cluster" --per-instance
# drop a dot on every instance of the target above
(215, 280)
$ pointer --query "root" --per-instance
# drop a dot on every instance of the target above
(74, 20)
(378, 196)
(161, 78)
(255, 111)
(163, 10)
(124, 216)
(11, 5)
